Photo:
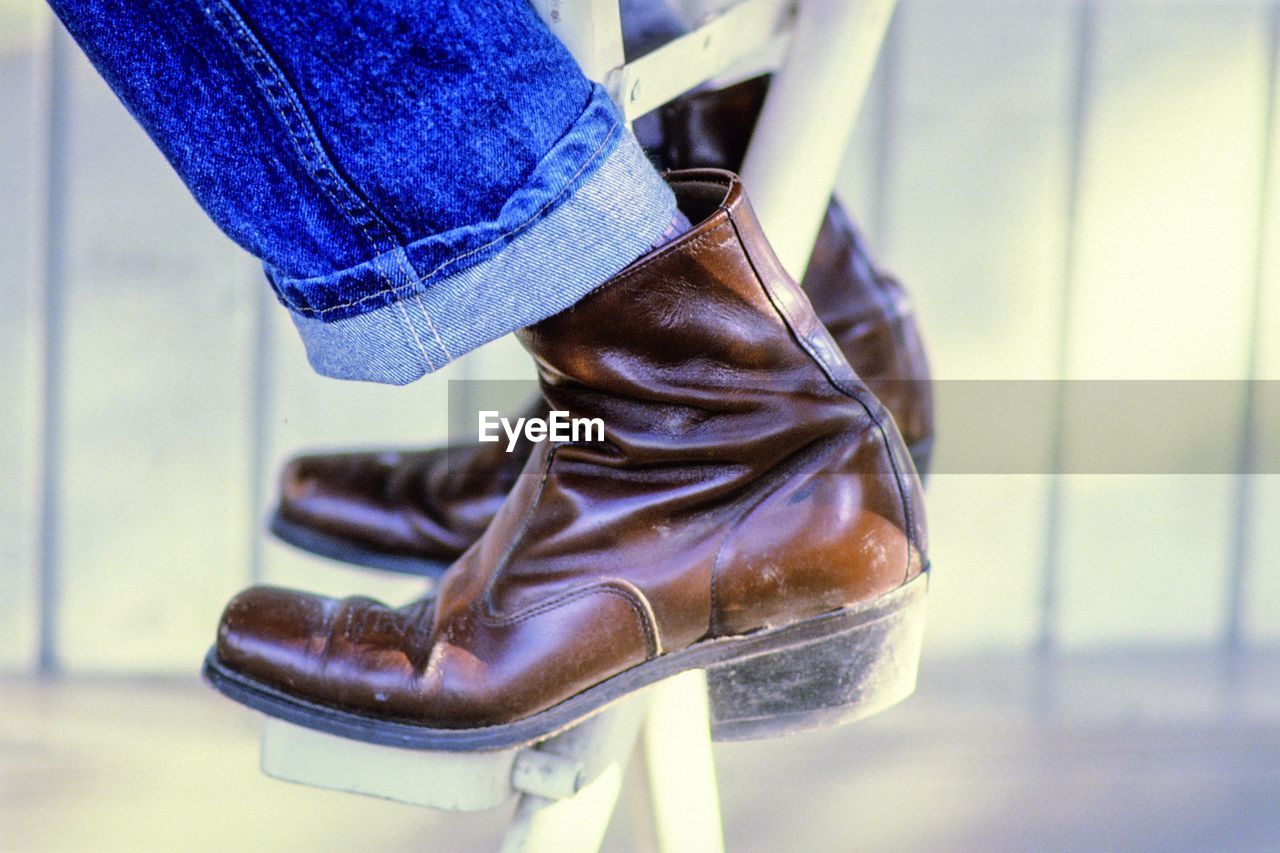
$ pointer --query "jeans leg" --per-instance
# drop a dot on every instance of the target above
(419, 177)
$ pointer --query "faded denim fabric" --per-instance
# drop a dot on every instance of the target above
(419, 177)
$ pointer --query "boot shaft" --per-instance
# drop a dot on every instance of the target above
(727, 406)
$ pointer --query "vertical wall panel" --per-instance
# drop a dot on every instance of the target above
(21, 117)
(860, 183)
(154, 513)
(1261, 591)
(977, 163)
(1163, 284)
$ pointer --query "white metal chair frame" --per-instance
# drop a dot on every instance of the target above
(568, 784)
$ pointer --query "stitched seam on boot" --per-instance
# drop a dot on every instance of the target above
(486, 598)
(788, 321)
(903, 496)
(644, 612)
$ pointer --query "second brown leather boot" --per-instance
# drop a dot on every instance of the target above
(751, 512)
(416, 511)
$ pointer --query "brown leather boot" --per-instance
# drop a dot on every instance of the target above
(752, 511)
(417, 511)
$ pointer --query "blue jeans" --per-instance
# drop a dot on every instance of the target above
(419, 177)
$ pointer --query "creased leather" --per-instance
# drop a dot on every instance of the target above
(747, 479)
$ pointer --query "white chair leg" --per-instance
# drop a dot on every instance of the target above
(681, 768)
(591, 29)
(576, 823)
(804, 129)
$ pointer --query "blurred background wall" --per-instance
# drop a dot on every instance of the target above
(1070, 190)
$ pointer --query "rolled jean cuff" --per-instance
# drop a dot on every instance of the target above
(612, 209)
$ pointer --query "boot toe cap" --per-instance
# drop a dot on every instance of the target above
(354, 654)
(275, 635)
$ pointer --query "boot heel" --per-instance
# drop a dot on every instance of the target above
(822, 672)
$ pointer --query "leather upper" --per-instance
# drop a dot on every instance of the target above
(747, 479)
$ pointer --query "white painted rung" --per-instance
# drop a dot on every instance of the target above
(558, 768)
(457, 781)
(744, 29)
(807, 119)
(591, 29)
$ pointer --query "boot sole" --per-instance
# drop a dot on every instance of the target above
(343, 550)
(814, 674)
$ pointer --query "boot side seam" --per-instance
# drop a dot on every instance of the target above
(634, 599)
(486, 598)
(837, 384)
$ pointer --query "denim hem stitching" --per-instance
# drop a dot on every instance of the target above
(417, 297)
(416, 338)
